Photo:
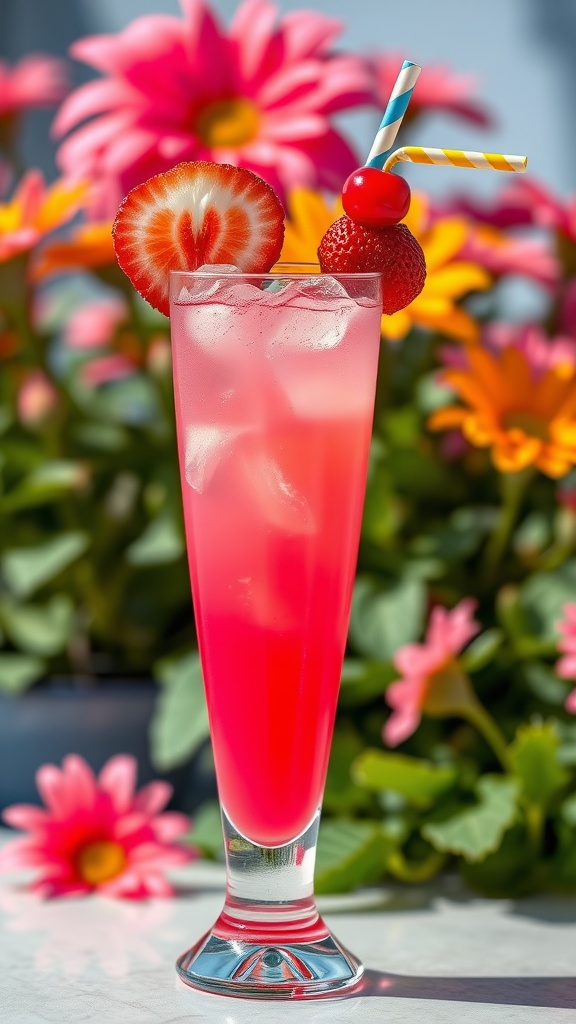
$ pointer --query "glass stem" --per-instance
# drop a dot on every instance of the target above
(269, 941)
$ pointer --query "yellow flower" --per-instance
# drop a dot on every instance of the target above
(526, 420)
(89, 247)
(34, 211)
(448, 278)
(310, 216)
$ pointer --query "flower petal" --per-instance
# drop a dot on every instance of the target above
(118, 778)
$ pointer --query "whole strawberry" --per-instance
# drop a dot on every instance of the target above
(349, 248)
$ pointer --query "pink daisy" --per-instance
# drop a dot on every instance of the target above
(260, 96)
(96, 834)
(438, 90)
(566, 665)
(35, 81)
(422, 664)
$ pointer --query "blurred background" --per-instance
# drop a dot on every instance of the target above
(520, 51)
(471, 500)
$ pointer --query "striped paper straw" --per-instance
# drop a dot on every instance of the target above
(457, 158)
(392, 119)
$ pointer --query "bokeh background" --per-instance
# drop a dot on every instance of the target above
(521, 50)
(469, 532)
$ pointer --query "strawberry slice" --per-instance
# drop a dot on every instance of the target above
(193, 214)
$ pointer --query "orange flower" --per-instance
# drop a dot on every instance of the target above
(89, 247)
(526, 419)
(34, 211)
(449, 278)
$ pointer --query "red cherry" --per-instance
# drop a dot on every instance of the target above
(375, 199)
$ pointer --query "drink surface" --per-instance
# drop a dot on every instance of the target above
(274, 401)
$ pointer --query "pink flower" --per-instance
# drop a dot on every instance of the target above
(566, 666)
(94, 324)
(540, 352)
(423, 665)
(523, 202)
(106, 369)
(438, 90)
(260, 96)
(506, 254)
(37, 398)
(96, 834)
(35, 81)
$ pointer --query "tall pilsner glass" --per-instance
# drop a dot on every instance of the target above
(274, 379)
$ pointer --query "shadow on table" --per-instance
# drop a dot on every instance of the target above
(557, 993)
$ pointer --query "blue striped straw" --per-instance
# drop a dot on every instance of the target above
(397, 104)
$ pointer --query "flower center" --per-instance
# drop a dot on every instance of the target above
(100, 862)
(227, 123)
(530, 423)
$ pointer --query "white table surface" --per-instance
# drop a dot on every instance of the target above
(437, 955)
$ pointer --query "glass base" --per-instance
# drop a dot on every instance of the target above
(269, 942)
(257, 971)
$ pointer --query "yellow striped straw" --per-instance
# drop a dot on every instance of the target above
(456, 158)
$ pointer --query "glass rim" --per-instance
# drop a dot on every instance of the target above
(296, 271)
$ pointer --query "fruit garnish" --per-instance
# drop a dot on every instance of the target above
(349, 248)
(374, 198)
(196, 213)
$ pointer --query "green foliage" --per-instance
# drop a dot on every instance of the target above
(180, 721)
(478, 830)
(350, 853)
(206, 831)
(420, 782)
(384, 619)
(534, 758)
(27, 569)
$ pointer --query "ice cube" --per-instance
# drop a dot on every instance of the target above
(200, 290)
(321, 286)
(279, 503)
(306, 327)
(205, 448)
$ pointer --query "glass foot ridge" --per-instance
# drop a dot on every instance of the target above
(269, 942)
(278, 971)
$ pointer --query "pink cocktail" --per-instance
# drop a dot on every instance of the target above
(274, 382)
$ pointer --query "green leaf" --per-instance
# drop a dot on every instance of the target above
(534, 758)
(568, 810)
(27, 569)
(19, 671)
(384, 620)
(38, 629)
(420, 782)
(349, 854)
(160, 542)
(180, 721)
(342, 795)
(6, 418)
(206, 832)
(48, 482)
(362, 681)
(567, 751)
(478, 830)
(544, 595)
(482, 650)
(544, 683)
(105, 437)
